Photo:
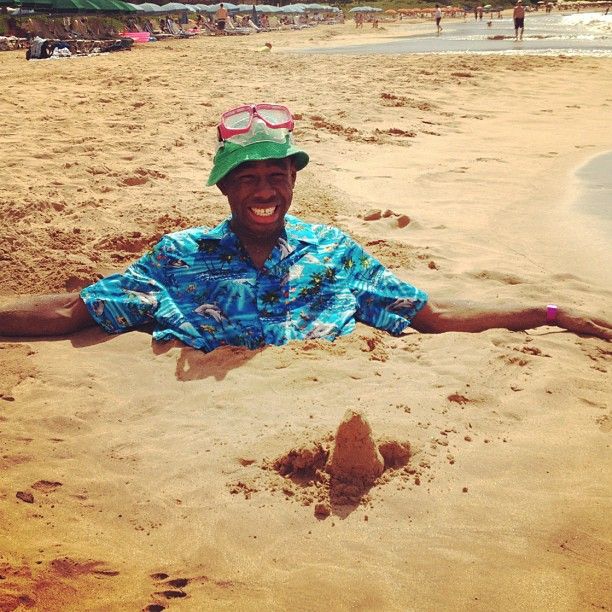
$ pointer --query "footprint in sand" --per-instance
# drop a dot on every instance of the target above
(176, 592)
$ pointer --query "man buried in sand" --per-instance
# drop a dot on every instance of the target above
(262, 276)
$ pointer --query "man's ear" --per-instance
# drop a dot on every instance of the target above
(221, 186)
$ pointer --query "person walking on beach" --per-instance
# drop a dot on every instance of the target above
(518, 14)
(263, 277)
(438, 16)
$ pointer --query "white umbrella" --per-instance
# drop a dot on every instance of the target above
(172, 7)
(228, 5)
(149, 7)
(293, 8)
(364, 9)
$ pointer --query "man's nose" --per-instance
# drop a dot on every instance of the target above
(264, 189)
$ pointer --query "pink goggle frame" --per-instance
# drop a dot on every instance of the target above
(239, 120)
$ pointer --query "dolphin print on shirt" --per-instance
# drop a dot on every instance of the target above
(211, 310)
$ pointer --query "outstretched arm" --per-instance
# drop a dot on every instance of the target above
(465, 316)
(45, 315)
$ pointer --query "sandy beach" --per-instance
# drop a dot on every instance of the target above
(144, 476)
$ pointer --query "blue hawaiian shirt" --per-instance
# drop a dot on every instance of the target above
(200, 286)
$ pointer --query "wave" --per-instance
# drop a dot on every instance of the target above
(594, 21)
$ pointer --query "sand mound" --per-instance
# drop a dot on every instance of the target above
(355, 458)
(336, 474)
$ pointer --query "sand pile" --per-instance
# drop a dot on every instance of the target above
(355, 458)
(336, 474)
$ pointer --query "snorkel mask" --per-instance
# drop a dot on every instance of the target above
(254, 132)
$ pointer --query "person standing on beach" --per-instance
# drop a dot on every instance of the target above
(518, 14)
(438, 16)
(263, 277)
(221, 17)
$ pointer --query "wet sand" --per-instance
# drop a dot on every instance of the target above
(142, 476)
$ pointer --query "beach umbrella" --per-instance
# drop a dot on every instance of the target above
(174, 7)
(40, 5)
(228, 5)
(294, 8)
(111, 6)
(149, 7)
(364, 9)
(108, 6)
(267, 8)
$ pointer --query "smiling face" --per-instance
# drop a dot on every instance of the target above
(259, 194)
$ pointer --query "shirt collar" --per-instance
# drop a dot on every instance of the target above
(296, 231)
(299, 231)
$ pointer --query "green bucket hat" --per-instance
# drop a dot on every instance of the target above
(230, 155)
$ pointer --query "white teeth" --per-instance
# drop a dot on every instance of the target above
(264, 212)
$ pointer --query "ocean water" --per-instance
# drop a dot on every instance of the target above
(552, 34)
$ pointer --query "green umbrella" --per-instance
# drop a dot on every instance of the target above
(41, 5)
(71, 6)
(111, 6)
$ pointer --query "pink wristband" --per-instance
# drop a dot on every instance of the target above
(551, 313)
